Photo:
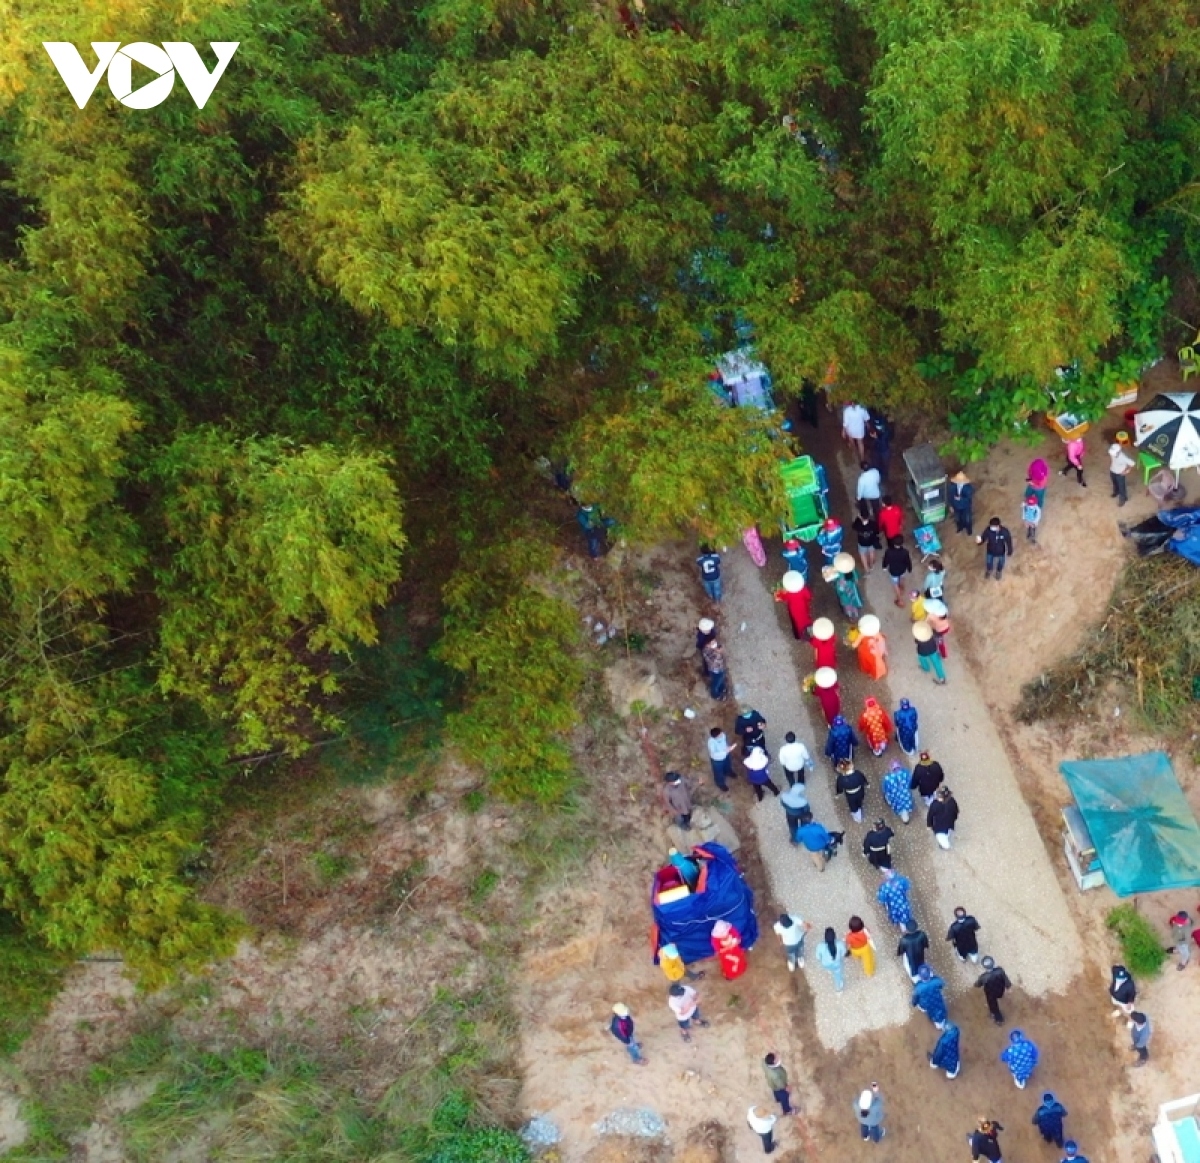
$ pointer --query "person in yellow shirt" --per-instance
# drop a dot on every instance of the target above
(673, 965)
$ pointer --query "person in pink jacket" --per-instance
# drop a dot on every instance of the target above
(1074, 451)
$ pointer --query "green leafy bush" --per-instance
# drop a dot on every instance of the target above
(1141, 947)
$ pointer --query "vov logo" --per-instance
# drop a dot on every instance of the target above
(175, 56)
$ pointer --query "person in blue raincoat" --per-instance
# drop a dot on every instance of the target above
(841, 742)
(905, 719)
(830, 540)
(945, 1053)
(793, 553)
(897, 792)
(927, 996)
(893, 895)
(1021, 1057)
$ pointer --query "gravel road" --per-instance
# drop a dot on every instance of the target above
(998, 868)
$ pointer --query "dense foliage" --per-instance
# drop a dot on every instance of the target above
(246, 352)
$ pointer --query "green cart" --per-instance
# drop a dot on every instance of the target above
(807, 498)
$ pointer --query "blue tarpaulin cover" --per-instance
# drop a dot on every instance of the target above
(722, 895)
(1145, 833)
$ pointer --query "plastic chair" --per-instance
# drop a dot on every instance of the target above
(1150, 465)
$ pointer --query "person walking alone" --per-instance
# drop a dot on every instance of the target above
(1120, 465)
(709, 565)
(1074, 453)
(942, 816)
(928, 996)
(984, 1141)
(791, 930)
(945, 1055)
(869, 1110)
(962, 503)
(1048, 1118)
(794, 759)
(1021, 1058)
(963, 935)
(621, 1028)
(854, 428)
(995, 984)
(1181, 931)
(1139, 1033)
(762, 1123)
(777, 1080)
(998, 547)
(831, 956)
(685, 1005)
(677, 800)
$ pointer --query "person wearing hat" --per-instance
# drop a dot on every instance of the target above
(998, 547)
(719, 758)
(794, 759)
(750, 728)
(867, 490)
(841, 742)
(897, 792)
(927, 996)
(876, 726)
(913, 946)
(824, 644)
(907, 727)
(1021, 1058)
(777, 1080)
(796, 810)
(714, 663)
(962, 503)
(844, 579)
(877, 845)
(962, 935)
(706, 631)
(1074, 452)
(595, 526)
(869, 1110)
(938, 618)
(673, 965)
(1181, 930)
(941, 817)
(1140, 1031)
(866, 532)
(762, 1123)
(709, 565)
(995, 984)
(798, 598)
(1122, 991)
(829, 539)
(897, 562)
(795, 558)
(1036, 477)
(1071, 1153)
(945, 1054)
(1031, 516)
(893, 895)
(1120, 465)
(677, 799)
(1048, 1118)
(621, 1028)
(758, 773)
(928, 657)
(984, 1141)
(852, 784)
(727, 946)
(872, 647)
(825, 687)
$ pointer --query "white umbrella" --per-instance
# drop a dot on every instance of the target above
(1169, 428)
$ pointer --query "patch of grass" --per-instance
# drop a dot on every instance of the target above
(484, 885)
(473, 802)
(1141, 946)
(331, 867)
(30, 975)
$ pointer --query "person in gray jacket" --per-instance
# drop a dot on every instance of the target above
(868, 1109)
(1139, 1033)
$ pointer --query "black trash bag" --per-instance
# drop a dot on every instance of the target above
(1149, 536)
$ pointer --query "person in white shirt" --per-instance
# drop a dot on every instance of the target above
(868, 488)
(794, 759)
(685, 1005)
(854, 428)
(718, 756)
(1119, 467)
(790, 929)
(762, 1123)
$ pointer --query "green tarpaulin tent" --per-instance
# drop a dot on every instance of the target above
(1142, 825)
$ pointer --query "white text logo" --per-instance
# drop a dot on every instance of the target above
(173, 57)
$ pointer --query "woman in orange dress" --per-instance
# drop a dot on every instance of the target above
(862, 948)
(876, 726)
(872, 647)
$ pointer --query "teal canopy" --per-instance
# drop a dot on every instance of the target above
(1145, 833)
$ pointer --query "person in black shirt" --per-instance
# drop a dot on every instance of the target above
(709, 565)
(750, 728)
(962, 933)
(853, 785)
(876, 845)
(995, 984)
(912, 948)
(984, 1141)
(999, 547)
(866, 529)
(942, 816)
(898, 564)
(927, 777)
